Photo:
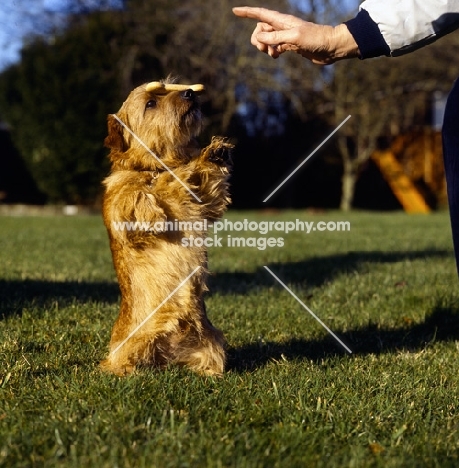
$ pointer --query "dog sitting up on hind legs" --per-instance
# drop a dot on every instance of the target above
(159, 174)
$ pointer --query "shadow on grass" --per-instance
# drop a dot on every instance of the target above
(15, 295)
(312, 272)
(441, 325)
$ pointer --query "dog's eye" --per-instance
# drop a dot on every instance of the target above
(150, 104)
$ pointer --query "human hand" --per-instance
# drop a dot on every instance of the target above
(277, 33)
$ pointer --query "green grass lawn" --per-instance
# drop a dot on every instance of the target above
(291, 397)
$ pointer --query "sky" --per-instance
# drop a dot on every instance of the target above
(19, 19)
(10, 30)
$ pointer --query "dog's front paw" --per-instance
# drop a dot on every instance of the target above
(220, 156)
(219, 152)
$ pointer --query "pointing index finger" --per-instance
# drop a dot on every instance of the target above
(274, 18)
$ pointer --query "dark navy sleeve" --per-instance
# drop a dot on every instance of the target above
(368, 36)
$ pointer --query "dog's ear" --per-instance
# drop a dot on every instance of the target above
(115, 138)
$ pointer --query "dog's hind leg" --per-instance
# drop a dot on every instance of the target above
(124, 357)
(200, 347)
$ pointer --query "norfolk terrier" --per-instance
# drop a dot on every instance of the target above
(159, 177)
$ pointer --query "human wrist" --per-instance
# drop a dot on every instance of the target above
(342, 43)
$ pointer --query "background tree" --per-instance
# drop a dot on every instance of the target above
(184, 39)
(385, 97)
(85, 62)
(56, 100)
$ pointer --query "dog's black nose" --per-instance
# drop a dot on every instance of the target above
(189, 95)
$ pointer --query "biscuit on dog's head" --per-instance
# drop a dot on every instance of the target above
(160, 87)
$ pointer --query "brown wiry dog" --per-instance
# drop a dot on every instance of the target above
(150, 265)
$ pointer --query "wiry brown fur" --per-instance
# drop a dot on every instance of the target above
(150, 265)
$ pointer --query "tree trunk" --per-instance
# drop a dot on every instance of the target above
(348, 180)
